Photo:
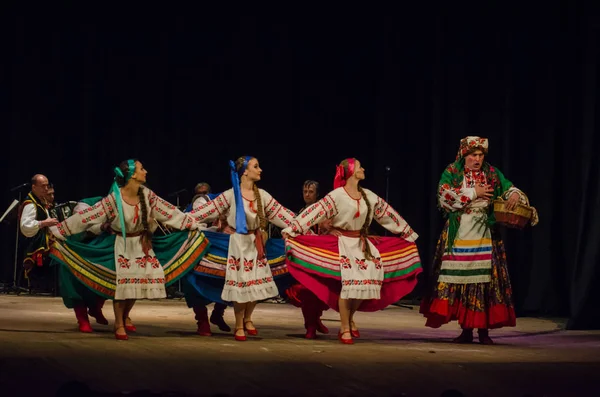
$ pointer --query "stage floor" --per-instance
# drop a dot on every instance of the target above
(41, 350)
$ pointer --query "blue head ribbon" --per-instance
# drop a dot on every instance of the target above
(240, 215)
(115, 189)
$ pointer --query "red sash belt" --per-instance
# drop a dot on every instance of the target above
(259, 241)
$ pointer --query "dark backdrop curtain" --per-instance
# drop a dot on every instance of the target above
(395, 88)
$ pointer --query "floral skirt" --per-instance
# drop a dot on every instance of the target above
(97, 266)
(316, 263)
(477, 305)
(207, 282)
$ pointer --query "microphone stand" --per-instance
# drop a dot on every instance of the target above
(176, 195)
(15, 288)
(387, 187)
(388, 169)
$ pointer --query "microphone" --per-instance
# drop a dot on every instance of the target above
(388, 170)
(19, 187)
(177, 193)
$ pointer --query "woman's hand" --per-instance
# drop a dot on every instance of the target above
(335, 232)
(513, 200)
(485, 192)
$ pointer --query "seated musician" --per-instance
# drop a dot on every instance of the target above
(34, 221)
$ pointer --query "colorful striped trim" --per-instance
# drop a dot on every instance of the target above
(101, 281)
(467, 265)
(202, 269)
(279, 270)
(470, 271)
(332, 257)
(396, 264)
(467, 258)
(278, 261)
(469, 262)
(472, 250)
(141, 280)
(474, 272)
(249, 283)
(389, 274)
(316, 268)
(104, 280)
(346, 283)
(194, 249)
(210, 267)
(484, 242)
(415, 268)
(474, 279)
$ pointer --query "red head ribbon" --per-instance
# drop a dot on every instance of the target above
(340, 174)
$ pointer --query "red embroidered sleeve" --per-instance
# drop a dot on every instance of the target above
(169, 215)
(211, 210)
(315, 214)
(84, 220)
(390, 219)
(277, 213)
(453, 199)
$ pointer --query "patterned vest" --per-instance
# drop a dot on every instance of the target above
(37, 246)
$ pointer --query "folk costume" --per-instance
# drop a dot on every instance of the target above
(378, 270)
(125, 264)
(471, 281)
(248, 275)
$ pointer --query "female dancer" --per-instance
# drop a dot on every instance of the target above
(347, 269)
(125, 266)
(248, 277)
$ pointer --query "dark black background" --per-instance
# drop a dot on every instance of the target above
(187, 90)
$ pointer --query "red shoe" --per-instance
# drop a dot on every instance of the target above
(345, 341)
(85, 327)
(237, 337)
(121, 336)
(130, 327)
(82, 319)
(355, 333)
(311, 333)
(252, 332)
(321, 327)
(202, 321)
